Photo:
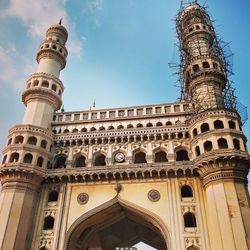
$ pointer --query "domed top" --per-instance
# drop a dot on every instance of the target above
(58, 27)
(190, 7)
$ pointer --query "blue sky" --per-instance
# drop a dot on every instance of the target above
(118, 51)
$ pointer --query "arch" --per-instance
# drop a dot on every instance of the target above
(195, 132)
(60, 161)
(139, 157)
(205, 65)
(186, 191)
(218, 124)
(178, 122)
(44, 144)
(169, 123)
(204, 127)
(45, 84)
(110, 128)
(139, 125)
(48, 223)
(14, 157)
(54, 87)
(100, 159)
(65, 131)
(4, 159)
(182, 155)
(32, 140)
(197, 151)
(39, 161)
(208, 146)
(80, 161)
(75, 130)
(192, 248)
(120, 127)
(28, 158)
(189, 220)
(232, 124)
(113, 210)
(53, 196)
(9, 141)
(236, 143)
(149, 125)
(83, 130)
(159, 124)
(130, 126)
(196, 68)
(35, 83)
(18, 139)
(102, 128)
(222, 143)
(92, 129)
(160, 156)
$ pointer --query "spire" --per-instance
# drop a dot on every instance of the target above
(60, 22)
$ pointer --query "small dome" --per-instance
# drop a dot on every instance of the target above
(57, 27)
(190, 7)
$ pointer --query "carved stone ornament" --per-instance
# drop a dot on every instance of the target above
(82, 198)
(154, 195)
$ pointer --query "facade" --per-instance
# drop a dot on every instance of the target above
(171, 175)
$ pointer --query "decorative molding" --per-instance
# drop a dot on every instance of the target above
(154, 195)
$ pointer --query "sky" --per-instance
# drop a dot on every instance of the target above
(119, 51)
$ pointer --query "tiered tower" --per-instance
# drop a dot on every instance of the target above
(30, 145)
(217, 142)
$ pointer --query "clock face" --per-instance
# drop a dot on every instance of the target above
(119, 157)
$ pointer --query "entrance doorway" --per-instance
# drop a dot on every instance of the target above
(115, 226)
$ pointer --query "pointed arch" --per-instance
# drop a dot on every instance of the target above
(88, 220)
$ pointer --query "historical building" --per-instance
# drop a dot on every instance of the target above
(172, 175)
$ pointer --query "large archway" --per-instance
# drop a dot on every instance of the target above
(116, 224)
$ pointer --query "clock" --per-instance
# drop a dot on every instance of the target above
(119, 157)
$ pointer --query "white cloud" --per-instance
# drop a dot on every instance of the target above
(38, 15)
(95, 5)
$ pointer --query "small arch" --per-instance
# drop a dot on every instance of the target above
(120, 127)
(186, 191)
(4, 159)
(222, 143)
(130, 126)
(100, 160)
(196, 68)
(44, 144)
(195, 132)
(192, 248)
(75, 130)
(102, 128)
(35, 83)
(215, 65)
(65, 131)
(80, 161)
(204, 127)
(208, 146)
(218, 124)
(53, 196)
(14, 157)
(232, 124)
(140, 157)
(54, 131)
(92, 129)
(18, 139)
(48, 223)
(32, 140)
(197, 27)
(39, 161)
(197, 151)
(28, 158)
(149, 125)
(236, 143)
(110, 128)
(182, 155)
(205, 65)
(83, 130)
(45, 84)
(191, 29)
(54, 47)
(159, 124)
(189, 220)
(178, 122)
(139, 125)
(9, 141)
(54, 87)
(60, 161)
(161, 156)
(169, 123)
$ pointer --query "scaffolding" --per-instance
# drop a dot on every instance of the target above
(217, 49)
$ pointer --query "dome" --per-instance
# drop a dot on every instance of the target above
(58, 28)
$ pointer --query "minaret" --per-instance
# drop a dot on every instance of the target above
(203, 67)
(29, 147)
(217, 141)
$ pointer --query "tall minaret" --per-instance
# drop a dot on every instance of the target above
(29, 148)
(217, 141)
(203, 69)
